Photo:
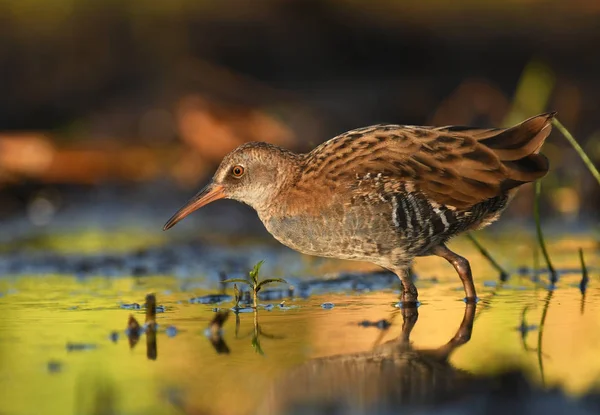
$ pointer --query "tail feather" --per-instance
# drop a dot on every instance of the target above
(518, 148)
(523, 139)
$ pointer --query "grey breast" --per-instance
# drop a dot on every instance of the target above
(359, 232)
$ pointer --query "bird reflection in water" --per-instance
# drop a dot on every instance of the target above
(390, 376)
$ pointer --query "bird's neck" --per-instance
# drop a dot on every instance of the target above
(288, 172)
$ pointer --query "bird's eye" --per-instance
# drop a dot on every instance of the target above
(237, 171)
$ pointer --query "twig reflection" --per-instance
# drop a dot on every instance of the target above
(541, 334)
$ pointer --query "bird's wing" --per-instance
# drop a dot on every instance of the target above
(453, 165)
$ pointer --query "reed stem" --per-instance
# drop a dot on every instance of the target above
(538, 227)
(488, 256)
(578, 149)
(584, 273)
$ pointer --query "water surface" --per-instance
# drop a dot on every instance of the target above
(64, 349)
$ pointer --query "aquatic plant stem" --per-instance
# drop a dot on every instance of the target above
(488, 256)
(536, 264)
(541, 334)
(584, 271)
(584, 280)
(538, 227)
(578, 149)
(150, 309)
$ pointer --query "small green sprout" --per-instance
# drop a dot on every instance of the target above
(254, 283)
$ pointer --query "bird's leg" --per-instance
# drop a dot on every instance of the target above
(409, 291)
(461, 265)
(410, 315)
(463, 334)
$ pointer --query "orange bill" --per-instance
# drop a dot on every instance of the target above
(209, 194)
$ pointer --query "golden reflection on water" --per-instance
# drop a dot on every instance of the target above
(40, 315)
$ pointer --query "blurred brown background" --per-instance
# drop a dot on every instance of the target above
(132, 104)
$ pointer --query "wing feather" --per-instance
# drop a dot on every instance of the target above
(453, 165)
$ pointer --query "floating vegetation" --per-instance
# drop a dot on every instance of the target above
(211, 299)
(133, 306)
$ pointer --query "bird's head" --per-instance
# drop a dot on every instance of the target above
(253, 174)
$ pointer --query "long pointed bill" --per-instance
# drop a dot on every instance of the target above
(209, 194)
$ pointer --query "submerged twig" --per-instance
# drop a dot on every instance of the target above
(578, 149)
(488, 256)
(151, 352)
(538, 227)
(150, 309)
(584, 273)
(584, 280)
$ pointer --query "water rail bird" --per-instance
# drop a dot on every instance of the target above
(385, 193)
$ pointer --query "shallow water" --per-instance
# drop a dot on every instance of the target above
(59, 353)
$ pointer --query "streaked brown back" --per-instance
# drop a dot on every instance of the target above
(452, 165)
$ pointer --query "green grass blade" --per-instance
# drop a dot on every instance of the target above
(578, 149)
(488, 256)
(273, 280)
(269, 281)
(540, 235)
